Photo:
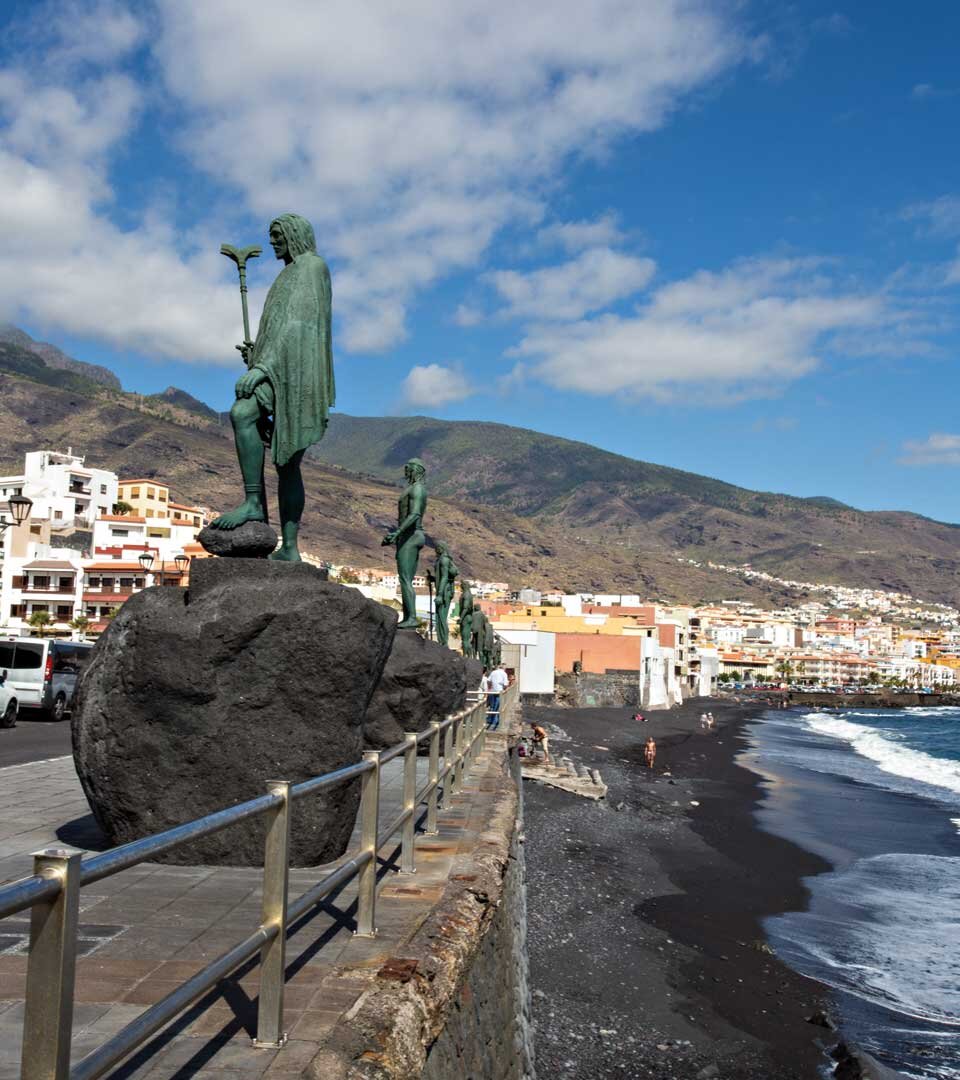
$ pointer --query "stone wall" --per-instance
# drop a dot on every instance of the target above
(611, 690)
(454, 1002)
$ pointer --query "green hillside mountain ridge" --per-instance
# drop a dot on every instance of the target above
(528, 508)
(57, 359)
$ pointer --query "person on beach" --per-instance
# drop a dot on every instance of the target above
(541, 742)
(650, 752)
(704, 722)
(640, 718)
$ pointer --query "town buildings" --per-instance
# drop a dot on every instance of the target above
(76, 560)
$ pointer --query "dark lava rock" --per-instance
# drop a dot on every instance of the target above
(252, 540)
(422, 681)
(194, 699)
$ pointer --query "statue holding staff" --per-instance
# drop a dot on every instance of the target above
(446, 574)
(285, 396)
(409, 538)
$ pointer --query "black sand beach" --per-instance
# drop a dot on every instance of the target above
(646, 951)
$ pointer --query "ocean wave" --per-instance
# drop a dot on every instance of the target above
(886, 750)
(877, 930)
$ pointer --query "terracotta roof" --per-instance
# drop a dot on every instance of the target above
(130, 518)
(49, 564)
(118, 566)
(183, 506)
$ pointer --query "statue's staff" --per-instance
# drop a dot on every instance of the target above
(240, 256)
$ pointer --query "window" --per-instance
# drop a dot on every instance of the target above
(35, 530)
(94, 582)
(119, 532)
(58, 514)
(64, 611)
(66, 582)
(138, 583)
(7, 647)
(135, 493)
(103, 489)
(41, 581)
(39, 607)
(151, 493)
(149, 512)
(107, 582)
(126, 583)
(91, 611)
(162, 495)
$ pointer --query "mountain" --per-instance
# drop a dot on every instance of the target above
(347, 514)
(182, 400)
(57, 359)
(645, 509)
(515, 505)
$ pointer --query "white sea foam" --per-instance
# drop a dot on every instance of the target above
(886, 750)
(880, 929)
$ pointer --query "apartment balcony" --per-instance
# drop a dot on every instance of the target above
(79, 489)
(48, 590)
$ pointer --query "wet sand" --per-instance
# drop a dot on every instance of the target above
(647, 955)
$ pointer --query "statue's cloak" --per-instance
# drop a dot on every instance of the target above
(293, 345)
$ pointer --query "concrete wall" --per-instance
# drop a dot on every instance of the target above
(455, 1002)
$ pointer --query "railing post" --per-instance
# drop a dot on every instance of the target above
(276, 861)
(448, 760)
(434, 796)
(369, 842)
(408, 864)
(457, 755)
(51, 970)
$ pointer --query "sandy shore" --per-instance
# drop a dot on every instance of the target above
(646, 951)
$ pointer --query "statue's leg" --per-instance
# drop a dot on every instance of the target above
(291, 497)
(244, 416)
(408, 555)
(443, 633)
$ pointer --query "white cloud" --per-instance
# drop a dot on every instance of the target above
(937, 449)
(590, 282)
(574, 236)
(940, 216)
(411, 133)
(435, 386)
(713, 338)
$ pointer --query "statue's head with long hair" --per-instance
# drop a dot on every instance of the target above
(290, 236)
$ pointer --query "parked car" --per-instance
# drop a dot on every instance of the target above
(8, 703)
(42, 673)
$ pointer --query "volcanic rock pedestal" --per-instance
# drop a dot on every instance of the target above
(251, 540)
(422, 681)
(195, 698)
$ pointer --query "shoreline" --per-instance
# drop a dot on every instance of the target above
(647, 953)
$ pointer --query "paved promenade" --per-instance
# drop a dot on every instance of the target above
(149, 928)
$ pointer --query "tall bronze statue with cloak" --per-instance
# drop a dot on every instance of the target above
(285, 396)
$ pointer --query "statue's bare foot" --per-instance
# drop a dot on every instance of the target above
(408, 624)
(285, 554)
(249, 510)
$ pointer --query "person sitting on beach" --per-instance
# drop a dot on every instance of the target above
(704, 722)
(541, 741)
(640, 718)
(709, 721)
(650, 752)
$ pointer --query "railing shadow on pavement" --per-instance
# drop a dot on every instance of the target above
(53, 895)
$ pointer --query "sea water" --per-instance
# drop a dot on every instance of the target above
(876, 793)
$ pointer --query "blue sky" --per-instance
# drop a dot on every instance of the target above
(719, 236)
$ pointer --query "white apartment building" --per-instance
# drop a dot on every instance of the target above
(64, 491)
(50, 584)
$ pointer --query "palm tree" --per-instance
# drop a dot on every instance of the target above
(785, 670)
(81, 623)
(39, 620)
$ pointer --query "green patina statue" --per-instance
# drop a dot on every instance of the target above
(488, 655)
(477, 623)
(466, 619)
(446, 573)
(408, 537)
(284, 398)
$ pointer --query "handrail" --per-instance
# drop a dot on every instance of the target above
(54, 888)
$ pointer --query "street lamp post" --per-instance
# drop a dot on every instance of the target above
(146, 563)
(19, 506)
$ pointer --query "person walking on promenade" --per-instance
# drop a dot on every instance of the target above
(497, 682)
(650, 752)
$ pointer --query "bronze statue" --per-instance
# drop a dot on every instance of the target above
(285, 396)
(466, 618)
(408, 537)
(446, 573)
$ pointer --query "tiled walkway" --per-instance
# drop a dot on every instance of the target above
(147, 929)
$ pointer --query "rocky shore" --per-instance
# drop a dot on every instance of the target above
(647, 954)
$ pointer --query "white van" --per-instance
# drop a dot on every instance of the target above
(42, 673)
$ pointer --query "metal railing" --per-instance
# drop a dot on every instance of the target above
(53, 894)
